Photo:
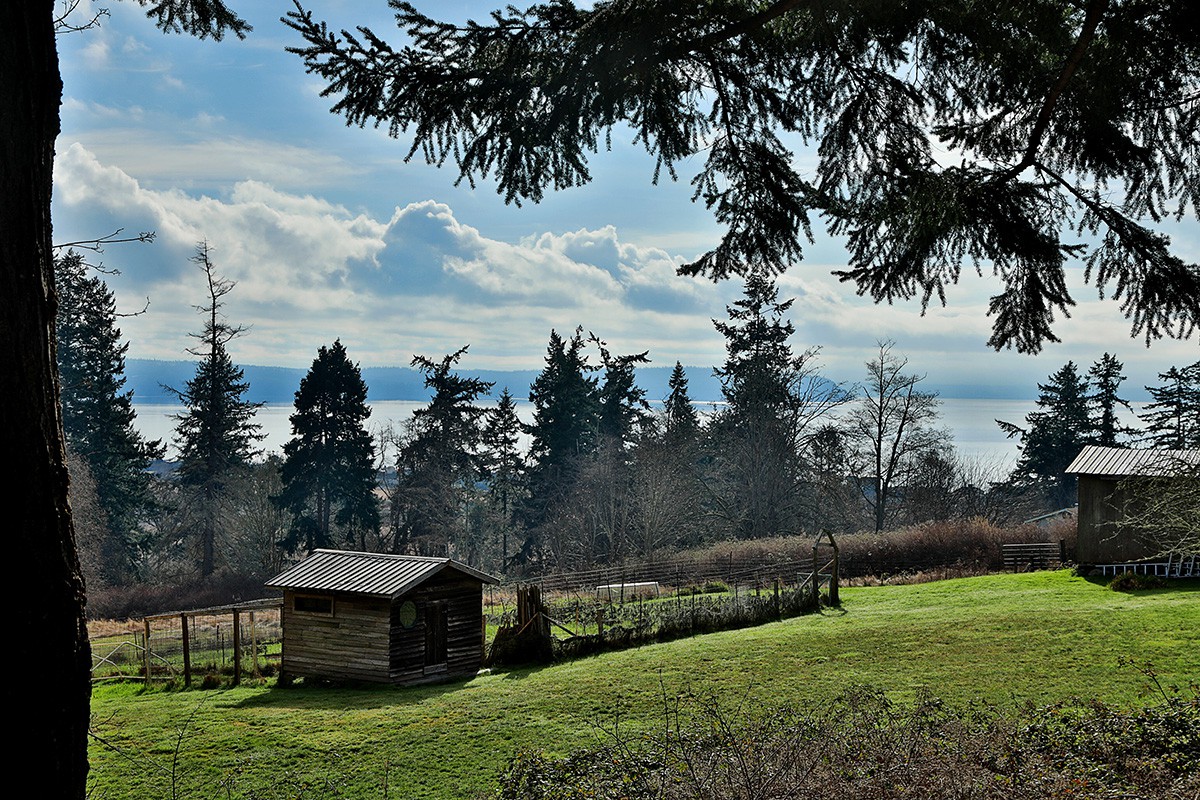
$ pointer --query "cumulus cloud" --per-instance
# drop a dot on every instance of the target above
(309, 270)
(422, 280)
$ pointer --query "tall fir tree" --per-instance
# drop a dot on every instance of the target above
(564, 428)
(1104, 403)
(215, 433)
(55, 731)
(681, 423)
(1173, 419)
(439, 462)
(623, 410)
(328, 470)
(98, 416)
(773, 397)
(503, 467)
(759, 367)
(1053, 436)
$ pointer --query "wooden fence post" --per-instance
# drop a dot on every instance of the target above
(254, 645)
(237, 648)
(816, 578)
(834, 573)
(146, 650)
(187, 653)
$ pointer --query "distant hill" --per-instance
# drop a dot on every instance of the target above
(147, 378)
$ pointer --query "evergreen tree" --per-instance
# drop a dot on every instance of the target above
(666, 484)
(1053, 436)
(1173, 419)
(602, 507)
(55, 732)
(329, 464)
(438, 464)
(503, 466)
(1106, 380)
(623, 407)
(564, 427)
(836, 491)
(216, 432)
(1041, 103)
(563, 434)
(760, 367)
(98, 416)
(773, 398)
(681, 422)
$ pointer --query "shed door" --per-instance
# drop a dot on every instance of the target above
(435, 633)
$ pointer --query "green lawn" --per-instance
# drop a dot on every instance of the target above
(1004, 638)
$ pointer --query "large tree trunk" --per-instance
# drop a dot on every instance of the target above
(50, 637)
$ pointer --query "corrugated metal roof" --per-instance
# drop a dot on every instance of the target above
(1119, 462)
(375, 574)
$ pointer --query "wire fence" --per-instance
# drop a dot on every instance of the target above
(213, 646)
(580, 616)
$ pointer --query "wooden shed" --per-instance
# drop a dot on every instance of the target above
(381, 618)
(1105, 498)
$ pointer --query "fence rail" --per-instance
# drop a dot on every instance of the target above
(1033, 555)
(232, 640)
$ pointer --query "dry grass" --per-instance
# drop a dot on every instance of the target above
(105, 628)
(915, 554)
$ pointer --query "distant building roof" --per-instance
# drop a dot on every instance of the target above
(1050, 516)
(1117, 462)
(375, 574)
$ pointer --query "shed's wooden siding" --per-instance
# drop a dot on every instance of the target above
(464, 631)
(1101, 505)
(352, 644)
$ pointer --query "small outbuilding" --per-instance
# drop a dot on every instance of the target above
(381, 618)
(1107, 496)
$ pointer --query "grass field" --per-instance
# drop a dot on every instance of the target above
(1005, 638)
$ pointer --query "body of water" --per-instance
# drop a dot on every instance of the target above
(970, 421)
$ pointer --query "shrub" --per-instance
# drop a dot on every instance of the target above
(139, 600)
(866, 746)
(918, 553)
(1133, 582)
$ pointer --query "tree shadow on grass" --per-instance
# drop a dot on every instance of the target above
(323, 695)
(1163, 586)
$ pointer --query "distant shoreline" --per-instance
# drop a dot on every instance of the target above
(147, 379)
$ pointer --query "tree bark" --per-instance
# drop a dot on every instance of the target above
(50, 635)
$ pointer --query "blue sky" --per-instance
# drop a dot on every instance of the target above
(329, 233)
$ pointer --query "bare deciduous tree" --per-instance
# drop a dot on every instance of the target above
(1164, 511)
(892, 426)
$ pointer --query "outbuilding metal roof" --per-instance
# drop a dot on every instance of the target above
(375, 574)
(1116, 462)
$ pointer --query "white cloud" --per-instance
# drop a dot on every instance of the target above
(96, 53)
(212, 158)
(309, 270)
(421, 280)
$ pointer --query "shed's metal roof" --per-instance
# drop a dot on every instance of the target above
(375, 574)
(1116, 462)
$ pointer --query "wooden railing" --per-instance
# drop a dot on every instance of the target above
(1033, 555)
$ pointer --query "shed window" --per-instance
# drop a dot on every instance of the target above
(312, 604)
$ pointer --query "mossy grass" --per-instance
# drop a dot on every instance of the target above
(1006, 639)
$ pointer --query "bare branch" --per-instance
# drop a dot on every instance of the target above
(97, 245)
